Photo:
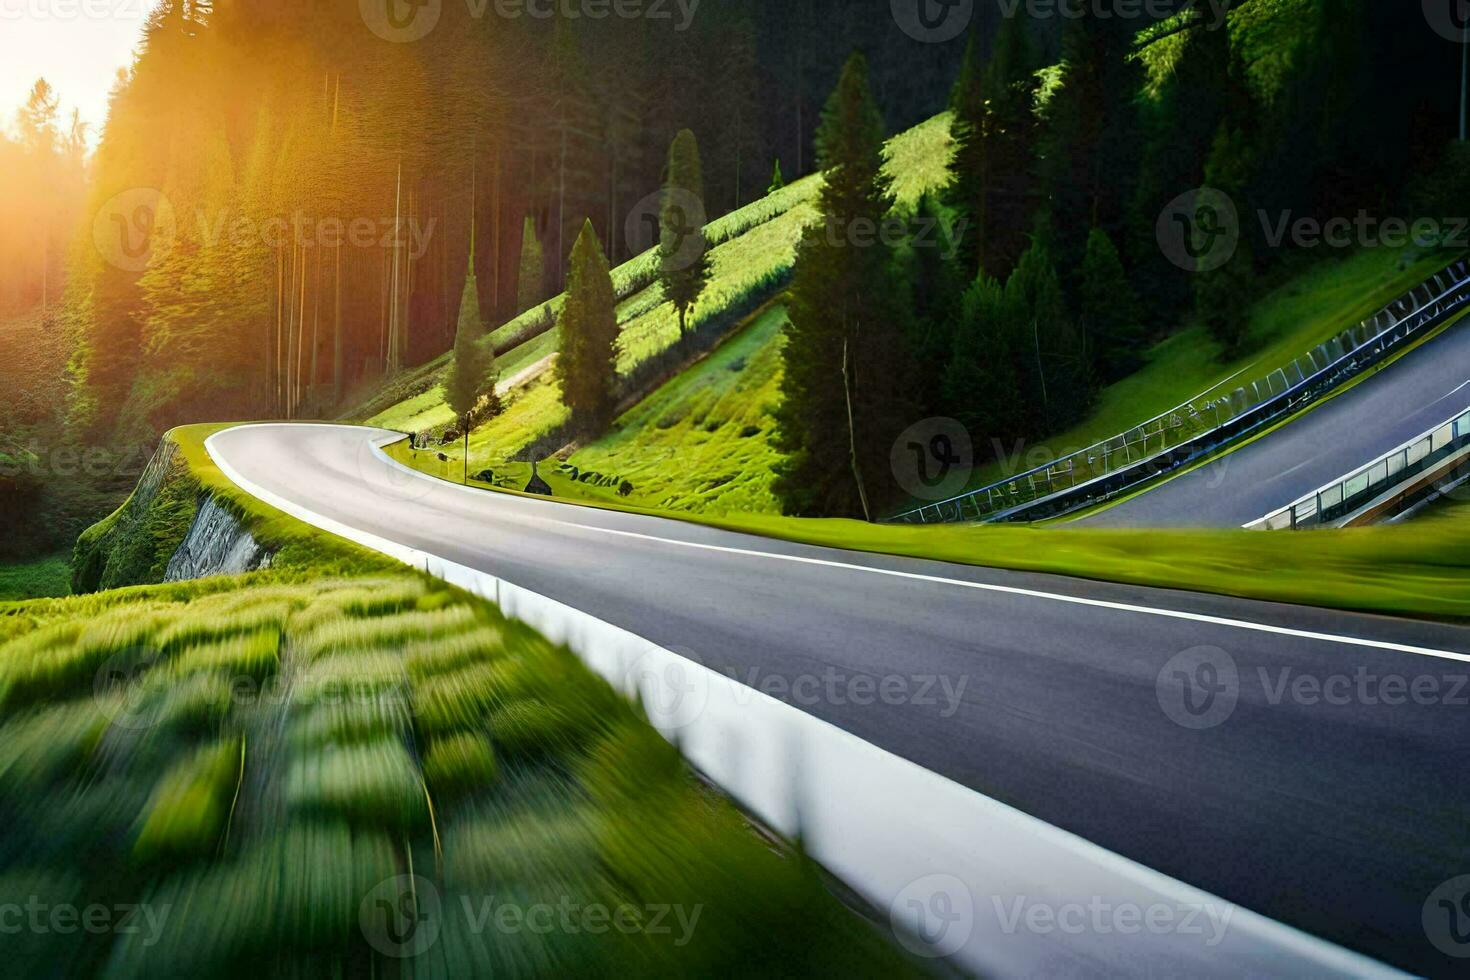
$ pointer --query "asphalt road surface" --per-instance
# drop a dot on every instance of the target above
(1424, 388)
(1316, 774)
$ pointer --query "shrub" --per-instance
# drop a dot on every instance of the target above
(56, 662)
(380, 715)
(41, 748)
(300, 890)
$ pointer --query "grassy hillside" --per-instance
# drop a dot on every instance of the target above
(754, 248)
(702, 441)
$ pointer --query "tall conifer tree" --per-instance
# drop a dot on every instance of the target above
(586, 366)
(843, 400)
(683, 253)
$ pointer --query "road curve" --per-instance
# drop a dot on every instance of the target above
(1338, 812)
(1409, 397)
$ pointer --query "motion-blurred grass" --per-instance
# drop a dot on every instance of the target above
(357, 728)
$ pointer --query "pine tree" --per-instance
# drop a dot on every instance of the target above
(980, 378)
(1057, 379)
(777, 181)
(995, 151)
(586, 366)
(530, 283)
(935, 290)
(1178, 129)
(1223, 295)
(684, 265)
(1091, 143)
(472, 374)
(1108, 310)
(843, 400)
(736, 101)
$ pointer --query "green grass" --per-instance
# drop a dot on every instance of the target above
(42, 578)
(266, 822)
(259, 753)
(702, 441)
(459, 764)
(750, 246)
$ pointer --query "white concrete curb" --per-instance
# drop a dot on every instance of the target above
(962, 876)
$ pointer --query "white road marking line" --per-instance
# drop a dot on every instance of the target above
(1055, 597)
(959, 583)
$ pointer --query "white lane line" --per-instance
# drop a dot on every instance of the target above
(960, 583)
(1055, 597)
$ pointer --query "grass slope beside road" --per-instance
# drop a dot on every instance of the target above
(1419, 568)
(259, 759)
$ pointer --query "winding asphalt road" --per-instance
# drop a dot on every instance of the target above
(1422, 389)
(1339, 813)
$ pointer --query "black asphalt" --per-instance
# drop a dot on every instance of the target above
(1404, 399)
(1336, 818)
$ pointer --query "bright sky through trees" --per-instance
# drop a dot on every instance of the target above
(76, 45)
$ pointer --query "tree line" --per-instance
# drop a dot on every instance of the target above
(223, 275)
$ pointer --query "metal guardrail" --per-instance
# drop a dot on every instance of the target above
(1210, 420)
(1342, 498)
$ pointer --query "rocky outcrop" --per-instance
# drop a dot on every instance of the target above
(171, 528)
(217, 544)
